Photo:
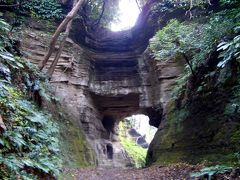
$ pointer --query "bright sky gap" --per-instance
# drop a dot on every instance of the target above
(129, 11)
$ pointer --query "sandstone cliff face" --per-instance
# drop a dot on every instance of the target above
(99, 86)
(200, 126)
(104, 76)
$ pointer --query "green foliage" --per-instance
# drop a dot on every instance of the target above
(232, 108)
(194, 3)
(237, 155)
(211, 100)
(30, 139)
(45, 9)
(29, 144)
(137, 153)
(230, 50)
(4, 29)
(95, 8)
(170, 5)
(212, 170)
(229, 2)
(180, 86)
(194, 39)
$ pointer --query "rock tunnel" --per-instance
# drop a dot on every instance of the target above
(119, 86)
(112, 76)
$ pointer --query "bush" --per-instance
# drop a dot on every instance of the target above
(195, 40)
(212, 170)
(28, 136)
(45, 9)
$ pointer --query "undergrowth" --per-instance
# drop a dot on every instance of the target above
(208, 88)
(42, 9)
(28, 135)
(211, 171)
(194, 41)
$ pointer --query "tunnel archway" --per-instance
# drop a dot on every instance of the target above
(140, 128)
(135, 135)
(120, 81)
(109, 151)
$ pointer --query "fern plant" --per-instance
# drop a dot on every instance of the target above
(29, 142)
(212, 170)
(45, 9)
(195, 40)
(230, 50)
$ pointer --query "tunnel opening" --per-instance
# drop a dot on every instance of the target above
(108, 123)
(142, 126)
(109, 151)
(135, 134)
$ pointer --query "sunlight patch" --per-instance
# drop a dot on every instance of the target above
(141, 124)
(128, 14)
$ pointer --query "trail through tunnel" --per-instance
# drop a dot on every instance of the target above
(135, 135)
(113, 92)
(111, 78)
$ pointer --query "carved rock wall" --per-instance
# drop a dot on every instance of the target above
(98, 89)
(104, 76)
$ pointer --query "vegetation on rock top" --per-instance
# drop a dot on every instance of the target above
(203, 118)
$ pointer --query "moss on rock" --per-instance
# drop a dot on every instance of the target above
(76, 150)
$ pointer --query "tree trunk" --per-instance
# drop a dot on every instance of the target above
(60, 28)
(57, 57)
(189, 64)
(61, 46)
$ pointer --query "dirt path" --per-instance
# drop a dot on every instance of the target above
(173, 172)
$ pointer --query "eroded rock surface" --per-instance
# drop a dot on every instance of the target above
(104, 77)
(98, 89)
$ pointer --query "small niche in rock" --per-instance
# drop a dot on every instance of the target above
(109, 151)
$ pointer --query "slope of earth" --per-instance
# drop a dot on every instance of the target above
(176, 172)
(180, 171)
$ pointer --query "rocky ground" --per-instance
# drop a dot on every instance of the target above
(173, 172)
